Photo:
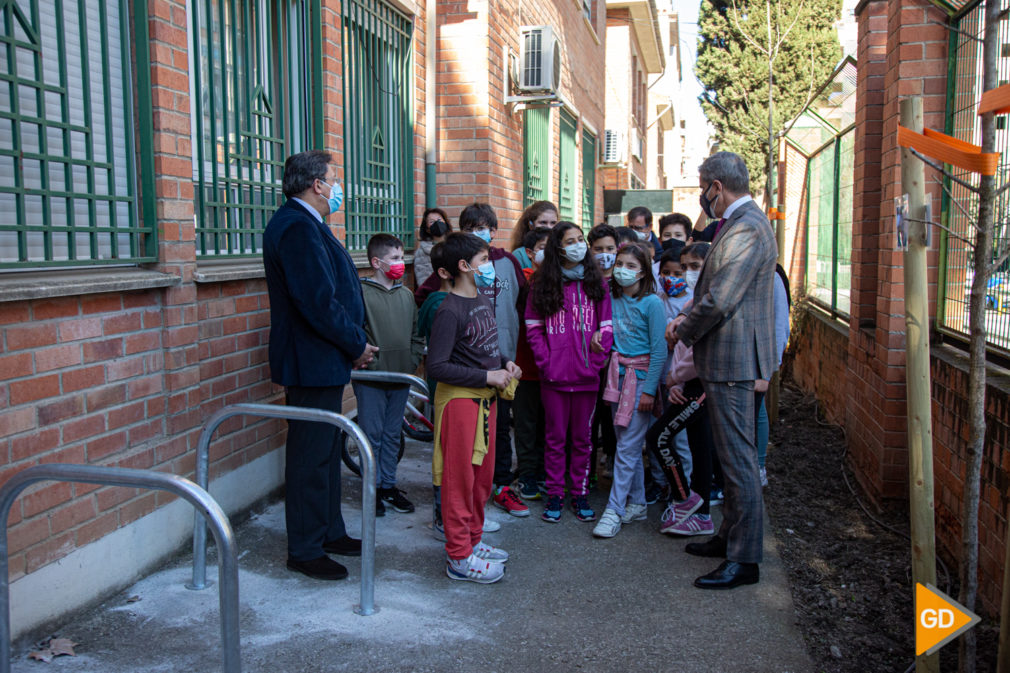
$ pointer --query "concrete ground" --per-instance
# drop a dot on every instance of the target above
(568, 602)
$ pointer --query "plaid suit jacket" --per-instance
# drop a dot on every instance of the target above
(731, 324)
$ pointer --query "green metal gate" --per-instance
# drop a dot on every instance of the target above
(566, 168)
(588, 179)
(250, 112)
(378, 122)
(536, 154)
(68, 173)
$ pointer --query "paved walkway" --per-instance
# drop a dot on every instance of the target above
(568, 602)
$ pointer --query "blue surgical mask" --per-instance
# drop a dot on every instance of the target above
(483, 275)
(606, 259)
(483, 234)
(625, 277)
(576, 252)
(336, 197)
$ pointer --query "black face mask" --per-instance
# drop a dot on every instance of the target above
(672, 244)
(706, 203)
(438, 228)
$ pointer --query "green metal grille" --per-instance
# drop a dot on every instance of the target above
(566, 168)
(67, 173)
(829, 223)
(964, 91)
(588, 179)
(536, 153)
(250, 113)
(378, 122)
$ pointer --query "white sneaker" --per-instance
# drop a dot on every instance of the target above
(474, 569)
(608, 525)
(635, 513)
(489, 553)
(491, 526)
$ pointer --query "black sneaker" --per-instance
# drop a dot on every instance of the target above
(653, 493)
(529, 489)
(394, 497)
(380, 509)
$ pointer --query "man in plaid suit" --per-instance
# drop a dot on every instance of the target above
(732, 329)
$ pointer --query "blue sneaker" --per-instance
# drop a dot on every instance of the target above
(552, 510)
(716, 496)
(583, 512)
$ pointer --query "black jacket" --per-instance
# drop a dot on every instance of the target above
(317, 315)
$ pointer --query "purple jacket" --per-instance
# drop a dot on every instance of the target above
(561, 342)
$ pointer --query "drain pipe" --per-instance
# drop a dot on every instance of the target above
(430, 102)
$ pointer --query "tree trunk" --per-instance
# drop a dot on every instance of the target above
(771, 110)
(976, 372)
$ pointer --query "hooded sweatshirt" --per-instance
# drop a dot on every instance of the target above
(561, 342)
(503, 295)
(386, 326)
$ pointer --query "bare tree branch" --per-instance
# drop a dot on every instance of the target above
(747, 37)
(1001, 258)
(958, 31)
(945, 172)
(950, 194)
(942, 226)
(783, 36)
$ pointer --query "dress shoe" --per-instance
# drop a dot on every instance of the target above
(345, 546)
(714, 547)
(322, 568)
(729, 575)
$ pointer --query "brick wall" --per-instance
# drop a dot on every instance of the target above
(902, 52)
(480, 150)
(127, 378)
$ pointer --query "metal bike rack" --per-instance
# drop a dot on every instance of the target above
(366, 375)
(206, 508)
(367, 605)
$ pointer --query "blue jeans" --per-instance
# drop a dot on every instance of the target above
(380, 415)
(629, 472)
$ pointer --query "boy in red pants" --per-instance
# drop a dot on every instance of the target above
(463, 357)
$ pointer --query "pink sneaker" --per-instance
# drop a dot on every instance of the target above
(682, 510)
(692, 525)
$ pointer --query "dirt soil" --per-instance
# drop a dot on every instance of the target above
(850, 577)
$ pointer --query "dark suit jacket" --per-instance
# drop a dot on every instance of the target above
(317, 315)
(732, 321)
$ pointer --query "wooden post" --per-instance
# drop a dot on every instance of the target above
(920, 426)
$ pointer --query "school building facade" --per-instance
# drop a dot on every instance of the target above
(141, 160)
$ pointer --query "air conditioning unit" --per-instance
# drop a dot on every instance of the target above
(539, 59)
(613, 147)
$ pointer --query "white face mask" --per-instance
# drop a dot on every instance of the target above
(538, 257)
(576, 252)
(606, 259)
(643, 235)
(691, 277)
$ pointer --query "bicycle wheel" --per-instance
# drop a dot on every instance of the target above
(349, 454)
(417, 431)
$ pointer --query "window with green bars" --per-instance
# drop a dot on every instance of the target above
(588, 179)
(964, 88)
(378, 122)
(68, 178)
(829, 223)
(536, 154)
(250, 111)
(566, 168)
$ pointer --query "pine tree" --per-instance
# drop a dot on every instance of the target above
(733, 44)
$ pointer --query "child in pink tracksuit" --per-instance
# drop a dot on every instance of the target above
(569, 330)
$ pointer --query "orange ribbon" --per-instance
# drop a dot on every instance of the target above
(949, 150)
(995, 100)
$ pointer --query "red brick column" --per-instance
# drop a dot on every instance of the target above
(913, 46)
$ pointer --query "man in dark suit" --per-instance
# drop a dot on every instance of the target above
(731, 326)
(316, 337)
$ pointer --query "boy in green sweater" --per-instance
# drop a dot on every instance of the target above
(381, 406)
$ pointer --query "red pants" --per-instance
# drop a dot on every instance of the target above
(465, 486)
